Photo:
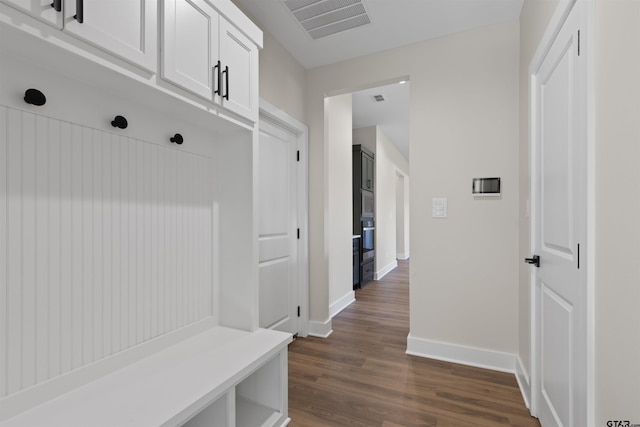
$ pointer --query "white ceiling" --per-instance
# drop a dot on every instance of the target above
(394, 23)
(391, 115)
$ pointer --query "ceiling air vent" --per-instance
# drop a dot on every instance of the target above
(378, 98)
(321, 18)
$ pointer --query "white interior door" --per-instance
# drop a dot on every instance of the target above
(277, 229)
(559, 188)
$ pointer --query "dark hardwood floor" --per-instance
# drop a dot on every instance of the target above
(361, 376)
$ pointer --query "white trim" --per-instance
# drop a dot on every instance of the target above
(464, 355)
(281, 119)
(320, 329)
(342, 303)
(386, 270)
(523, 382)
(591, 211)
(402, 257)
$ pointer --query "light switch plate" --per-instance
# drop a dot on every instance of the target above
(439, 207)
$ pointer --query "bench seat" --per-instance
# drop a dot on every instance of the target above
(169, 387)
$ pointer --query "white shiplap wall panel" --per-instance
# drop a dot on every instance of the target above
(105, 242)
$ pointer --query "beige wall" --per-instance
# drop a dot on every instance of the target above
(338, 128)
(534, 19)
(463, 123)
(617, 155)
(282, 79)
(365, 136)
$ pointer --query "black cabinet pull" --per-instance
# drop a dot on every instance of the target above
(218, 67)
(226, 83)
(119, 122)
(177, 138)
(79, 16)
(57, 5)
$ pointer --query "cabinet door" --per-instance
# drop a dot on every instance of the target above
(367, 172)
(190, 46)
(239, 58)
(41, 9)
(125, 28)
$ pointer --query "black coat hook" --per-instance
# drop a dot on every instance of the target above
(177, 138)
(119, 122)
(34, 97)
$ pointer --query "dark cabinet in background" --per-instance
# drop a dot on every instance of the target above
(356, 262)
(363, 212)
(367, 165)
(363, 168)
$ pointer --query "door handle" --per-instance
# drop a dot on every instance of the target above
(535, 260)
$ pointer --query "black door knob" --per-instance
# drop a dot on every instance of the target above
(177, 138)
(535, 260)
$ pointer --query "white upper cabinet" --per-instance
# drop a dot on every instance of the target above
(207, 55)
(49, 11)
(126, 28)
(190, 40)
(239, 58)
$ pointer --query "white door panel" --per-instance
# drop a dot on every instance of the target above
(559, 210)
(277, 229)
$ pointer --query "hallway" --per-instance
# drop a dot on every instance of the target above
(361, 376)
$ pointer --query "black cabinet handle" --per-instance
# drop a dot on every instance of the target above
(226, 83)
(177, 138)
(57, 5)
(79, 16)
(218, 66)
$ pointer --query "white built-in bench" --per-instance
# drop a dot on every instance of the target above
(222, 377)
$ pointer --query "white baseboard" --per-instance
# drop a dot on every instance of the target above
(480, 358)
(402, 257)
(320, 329)
(385, 270)
(523, 382)
(342, 303)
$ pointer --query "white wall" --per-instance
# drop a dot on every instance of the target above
(402, 217)
(389, 162)
(338, 129)
(617, 156)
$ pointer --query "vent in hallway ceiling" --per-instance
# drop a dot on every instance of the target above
(321, 18)
(378, 98)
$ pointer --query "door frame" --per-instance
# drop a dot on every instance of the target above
(588, 48)
(280, 119)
